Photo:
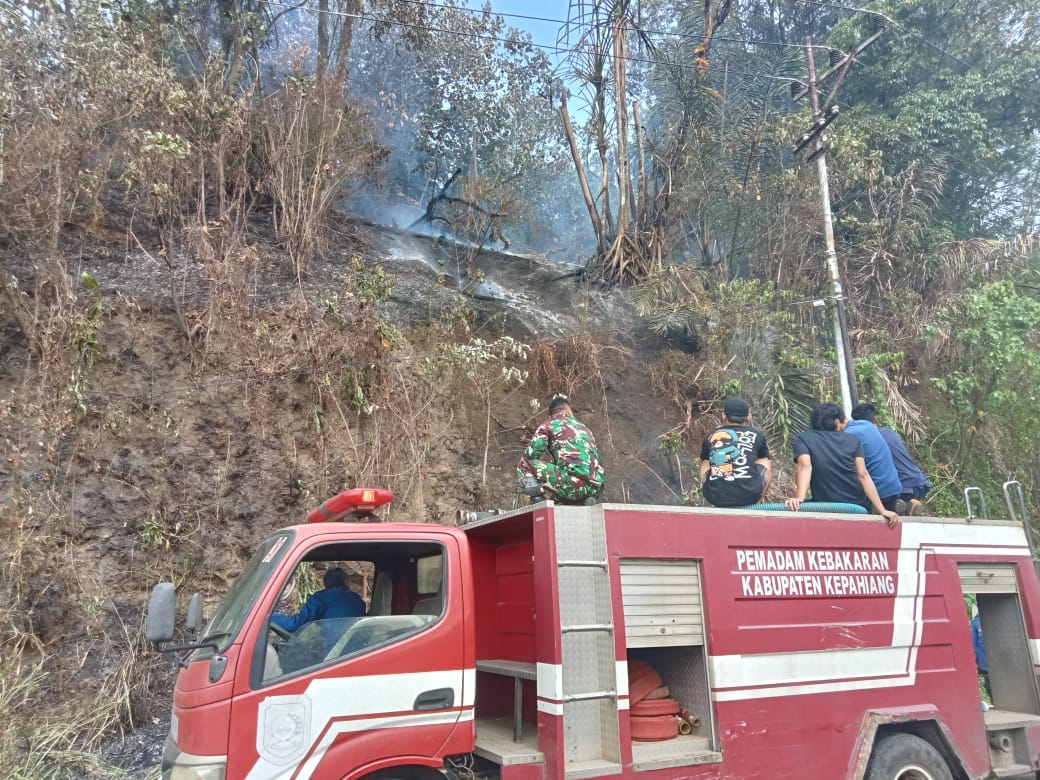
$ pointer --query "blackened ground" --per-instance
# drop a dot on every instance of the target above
(138, 752)
(172, 469)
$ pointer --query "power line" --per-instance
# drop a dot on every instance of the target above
(590, 25)
(555, 48)
(752, 41)
(558, 49)
(916, 34)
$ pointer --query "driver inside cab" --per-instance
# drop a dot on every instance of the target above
(336, 600)
(330, 606)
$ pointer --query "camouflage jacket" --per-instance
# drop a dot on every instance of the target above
(568, 444)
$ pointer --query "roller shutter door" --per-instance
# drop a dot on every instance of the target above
(662, 602)
(988, 577)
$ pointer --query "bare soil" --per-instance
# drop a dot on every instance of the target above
(197, 429)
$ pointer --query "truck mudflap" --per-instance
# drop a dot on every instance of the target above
(928, 721)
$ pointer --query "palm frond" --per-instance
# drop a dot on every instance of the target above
(784, 404)
(904, 413)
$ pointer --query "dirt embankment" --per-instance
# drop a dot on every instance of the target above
(162, 435)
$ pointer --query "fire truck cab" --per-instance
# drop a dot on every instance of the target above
(797, 645)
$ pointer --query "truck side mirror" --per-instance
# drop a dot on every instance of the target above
(195, 619)
(162, 613)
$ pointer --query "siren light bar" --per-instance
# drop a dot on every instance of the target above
(362, 501)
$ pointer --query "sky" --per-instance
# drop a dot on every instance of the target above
(544, 33)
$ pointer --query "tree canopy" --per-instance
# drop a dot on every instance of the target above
(656, 154)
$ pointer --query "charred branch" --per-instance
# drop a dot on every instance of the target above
(442, 204)
(715, 13)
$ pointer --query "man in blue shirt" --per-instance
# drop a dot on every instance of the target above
(878, 456)
(980, 654)
(335, 601)
(914, 483)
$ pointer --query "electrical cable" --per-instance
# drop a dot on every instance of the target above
(590, 25)
(554, 48)
(910, 31)
(558, 49)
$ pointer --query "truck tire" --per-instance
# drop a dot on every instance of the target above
(906, 757)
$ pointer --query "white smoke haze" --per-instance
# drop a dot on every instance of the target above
(463, 102)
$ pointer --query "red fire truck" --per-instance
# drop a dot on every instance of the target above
(806, 645)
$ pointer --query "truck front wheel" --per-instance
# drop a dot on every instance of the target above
(906, 757)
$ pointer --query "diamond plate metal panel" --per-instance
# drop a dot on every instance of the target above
(588, 663)
(584, 596)
(580, 533)
(1007, 652)
(675, 752)
(590, 731)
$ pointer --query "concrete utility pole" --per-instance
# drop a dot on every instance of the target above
(846, 370)
(823, 116)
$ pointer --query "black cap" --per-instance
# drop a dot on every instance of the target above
(736, 409)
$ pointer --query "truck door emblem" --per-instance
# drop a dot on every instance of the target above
(285, 725)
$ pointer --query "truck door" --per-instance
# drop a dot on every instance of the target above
(345, 694)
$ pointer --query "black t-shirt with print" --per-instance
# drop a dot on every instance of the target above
(733, 477)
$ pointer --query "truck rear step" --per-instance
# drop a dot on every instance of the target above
(687, 750)
(1008, 746)
(1015, 772)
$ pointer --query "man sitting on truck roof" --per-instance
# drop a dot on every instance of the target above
(914, 484)
(735, 464)
(573, 474)
(831, 463)
(880, 464)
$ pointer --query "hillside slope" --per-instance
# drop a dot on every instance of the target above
(161, 426)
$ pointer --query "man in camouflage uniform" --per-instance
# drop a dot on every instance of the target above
(573, 472)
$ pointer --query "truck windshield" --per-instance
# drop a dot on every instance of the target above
(231, 614)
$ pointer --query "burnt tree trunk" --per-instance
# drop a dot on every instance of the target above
(346, 42)
(626, 198)
(590, 203)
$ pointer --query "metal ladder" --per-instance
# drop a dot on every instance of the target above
(981, 497)
(1015, 498)
(590, 709)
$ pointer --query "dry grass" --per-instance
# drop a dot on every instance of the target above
(64, 687)
(54, 723)
(314, 145)
(570, 366)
